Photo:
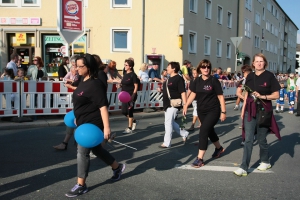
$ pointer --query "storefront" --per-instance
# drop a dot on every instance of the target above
(23, 44)
(54, 49)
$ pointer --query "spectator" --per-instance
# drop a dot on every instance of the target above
(63, 68)
(143, 73)
(14, 57)
(154, 74)
(163, 75)
(37, 70)
(185, 70)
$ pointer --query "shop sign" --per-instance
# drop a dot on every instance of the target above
(70, 21)
(53, 50)
(21, 38)
(63, 50)
(33, 21)
(54, 39)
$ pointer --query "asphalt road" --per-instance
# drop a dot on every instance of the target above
(31, 169)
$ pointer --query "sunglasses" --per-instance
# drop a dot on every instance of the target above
(35, 60)
(204, 67)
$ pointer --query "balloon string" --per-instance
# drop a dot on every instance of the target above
(124, 144)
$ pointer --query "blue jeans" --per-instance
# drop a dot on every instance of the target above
(261, 139)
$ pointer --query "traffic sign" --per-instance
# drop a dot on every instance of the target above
(236, 41)
(70, 19)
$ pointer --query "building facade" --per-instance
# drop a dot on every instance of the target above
(155, 32)
(267, 29)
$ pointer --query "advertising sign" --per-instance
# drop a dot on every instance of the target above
(21, 38)
(20, 21)
(70, 22)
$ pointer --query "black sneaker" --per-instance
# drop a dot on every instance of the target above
(118, 172)
(277, 111)
(218, 152)
(77, 190)
(198, 163)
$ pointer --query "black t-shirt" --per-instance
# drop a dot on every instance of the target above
(206, 94)
(176, 87)
(40, 74)
(128, 81)
(264, 84)
(102, 77)
(89, 96)
(62, 72)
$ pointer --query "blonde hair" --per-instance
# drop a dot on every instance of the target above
(144, 67)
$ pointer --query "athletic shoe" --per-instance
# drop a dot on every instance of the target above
(242, 143)
(198, 163)
(236, 107)
(277, 111)
(264, 166)
(281, 111)
(240, 172)
(191, 128)
(92, 155)
(127, 130)
(77, 190)
(134, 124)
(118, 172)
(218, 152)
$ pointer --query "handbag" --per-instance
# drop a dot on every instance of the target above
(173, 102)
(264, 118)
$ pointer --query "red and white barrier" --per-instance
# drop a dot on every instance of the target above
(53, 98)
(9, 98)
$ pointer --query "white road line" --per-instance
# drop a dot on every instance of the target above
(220, 168)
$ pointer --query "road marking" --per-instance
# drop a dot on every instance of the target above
(220, 168)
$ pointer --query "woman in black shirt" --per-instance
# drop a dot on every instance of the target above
(207, 90)
(263, 85)
(176, 89)
(63, 68)
(130, 85)
(90, 106)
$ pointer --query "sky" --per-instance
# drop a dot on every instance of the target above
(292, 9)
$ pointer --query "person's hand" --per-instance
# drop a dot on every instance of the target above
(106, 132)
(159, 89)
(222, 117)
(75, 122)
(256, 94)
(133, 97)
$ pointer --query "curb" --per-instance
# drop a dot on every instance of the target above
(60, 122)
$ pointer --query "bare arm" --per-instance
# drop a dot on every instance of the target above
(105, 120)
(223, 107)
(273, 96)
(239, 92)
(188, 102)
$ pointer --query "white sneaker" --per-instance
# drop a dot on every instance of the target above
(127, 130)
(92, 155)
(240, 172)
(264, 166)
(134, 124)
(236, 107)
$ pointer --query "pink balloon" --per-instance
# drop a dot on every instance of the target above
(124, 97)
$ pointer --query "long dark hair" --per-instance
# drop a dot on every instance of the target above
(90, 62)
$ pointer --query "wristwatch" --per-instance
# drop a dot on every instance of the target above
(224, 112)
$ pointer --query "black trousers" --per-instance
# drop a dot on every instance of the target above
(207, 128)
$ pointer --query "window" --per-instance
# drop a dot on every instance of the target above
(20, 3)
(248, 28)
(257, 18)
(208, 9)
(120, 40)
(248, 4)
(192, 42)
(194, 6)
(220, 15)
(219, 48)
(229, 20)
(267, 45)
(206, 45)
(256, 41)
(264, 13)
(121, 3)
(263, 34)
(228, 50)
(268, 27)
(269, 6)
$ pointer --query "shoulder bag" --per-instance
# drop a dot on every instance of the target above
(173, 102)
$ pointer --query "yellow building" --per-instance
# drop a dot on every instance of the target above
(152, 31)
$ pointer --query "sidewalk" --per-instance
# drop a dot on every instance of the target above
(58, 120)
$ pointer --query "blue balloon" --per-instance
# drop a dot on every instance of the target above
(88, 135)
(69, 119)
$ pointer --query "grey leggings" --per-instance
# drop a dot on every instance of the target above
(83, 158)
